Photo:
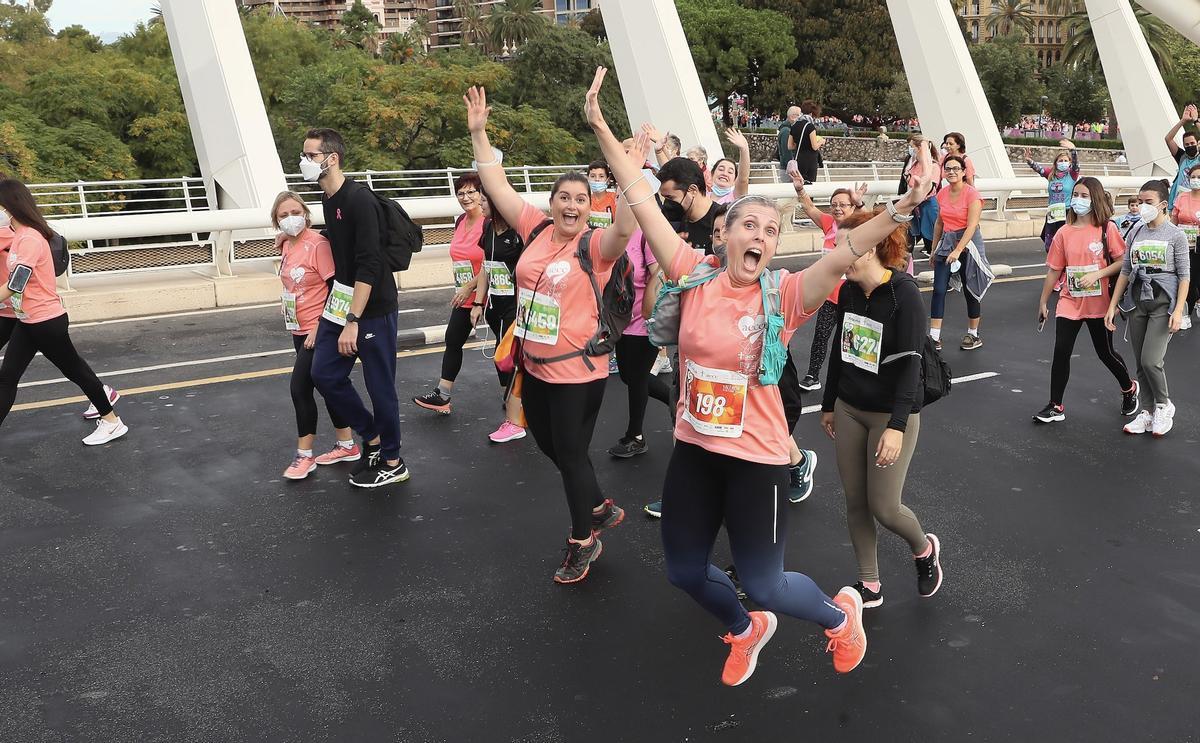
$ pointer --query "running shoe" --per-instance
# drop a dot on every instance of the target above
(801, 477)
(341, 453)
(370, 460)
(106, 432)
(810, 383)
(612, 516)
(508, 431)
(731, 572)
(653, 510)
(300, 468)
(1141, 424)
(626, 448)
(578, 560)
(849, 644)
(1186, 323)
(379, 474)
(929, 569)
(937, 344)
(92, 414)
(970, 342)
(743, 652)
(666, 367)
(1164, 420)
(1051, 413)
(870, 599)
(1129, 400)
(434, 401)
(612, 364)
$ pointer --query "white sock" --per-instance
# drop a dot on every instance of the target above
(347, 444)
(935, 333)
(973, 332)
(304, 452)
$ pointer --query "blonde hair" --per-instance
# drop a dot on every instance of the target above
(289, 196)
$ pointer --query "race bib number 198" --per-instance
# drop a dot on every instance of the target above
(716, 400)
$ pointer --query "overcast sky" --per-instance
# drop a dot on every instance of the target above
(108, 19)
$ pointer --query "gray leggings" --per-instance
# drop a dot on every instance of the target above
(873, 493)
(1149, 332)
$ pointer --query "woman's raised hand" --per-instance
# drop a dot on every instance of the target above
(591, 106)
(737, 139)
(477, 109)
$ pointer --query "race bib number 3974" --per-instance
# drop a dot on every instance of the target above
(338, 304)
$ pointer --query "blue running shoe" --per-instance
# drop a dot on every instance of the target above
(801, 484)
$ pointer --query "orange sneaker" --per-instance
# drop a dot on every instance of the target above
(849, 644)
(743, 655)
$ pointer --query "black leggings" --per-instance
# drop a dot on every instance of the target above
(635, 358)
(562, 418)
(499, 316)
(7, 325)
(789, 391)
(826, 319)
(458, 330)
(52, 339)
(302, 392)
(1065, 331)
(1193, 294)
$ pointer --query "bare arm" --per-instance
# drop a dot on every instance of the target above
(737, 139)
(1170, 138)
(503, 196)
(806, 203)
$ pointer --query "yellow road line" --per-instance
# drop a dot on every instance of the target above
(204, 381)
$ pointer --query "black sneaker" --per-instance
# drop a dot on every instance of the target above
(434, 401)
(971, 342)
(578, 559)
(370, 458)
(1052, 413)
(929, 569)
(653, 510)
(611, 516)
(1129, 400)
(731, 571)
(627, 448)
(810, 383)
(379, 474)
(870, 598)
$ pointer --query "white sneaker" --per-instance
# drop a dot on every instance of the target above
(1164, 419)
(92, 414)
(1141, 423)
(1186, 324)
(106, 432)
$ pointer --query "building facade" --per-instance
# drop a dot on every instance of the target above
(1046, 41)
(446, 23)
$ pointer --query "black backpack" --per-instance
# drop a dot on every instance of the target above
(614, 303)
(935, 373)
(60, 253)
(401, 237)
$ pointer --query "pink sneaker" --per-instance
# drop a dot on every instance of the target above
(340, 454)
(300, 468)
(92, 414)
(507, 431)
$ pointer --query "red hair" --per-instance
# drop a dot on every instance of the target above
(892, 251)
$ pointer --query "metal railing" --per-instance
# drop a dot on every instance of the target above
(205, 239)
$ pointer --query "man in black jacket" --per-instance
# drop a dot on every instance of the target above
(360, 317)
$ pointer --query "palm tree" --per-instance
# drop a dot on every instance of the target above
(419, 32)
(156, 16)
(1080, 46)
(1063, 8)
(1010, 15)
(472, 26)
(515, 22)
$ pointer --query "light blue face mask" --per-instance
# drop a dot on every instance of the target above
(1081, 206)
(721, 191)
(1062, 167)
(597, 187)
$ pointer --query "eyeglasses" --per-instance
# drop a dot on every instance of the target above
(311, 156)
(467, 194)
(839, 204)
(952, 170)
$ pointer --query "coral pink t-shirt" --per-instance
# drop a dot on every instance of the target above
(722, 406)
(915, 171)
(556, 307)
(829, 226)
(40, 301)
(6, 238)
(464, 246)
(642, 260)
(1187, 211)
(1078, 245)
(953, 209)
(306, 268)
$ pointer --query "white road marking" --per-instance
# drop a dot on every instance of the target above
(193, 313)
(1031, 265)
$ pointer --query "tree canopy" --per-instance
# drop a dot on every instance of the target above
(1008, 71)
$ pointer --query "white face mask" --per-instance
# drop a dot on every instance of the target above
(1062, 166)
(293, 225)
(311, 171)
(1148, 212)
(1194, 183)
(5, 220)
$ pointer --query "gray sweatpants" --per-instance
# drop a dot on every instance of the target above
(873, 493)
(1149, 332)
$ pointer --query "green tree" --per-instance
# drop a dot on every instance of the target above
(554, 71)
(77, 34)
(22, 23)
(516, 22)
(1008, 16)
(1183, 80)
(1080, 43)
(473, 26)
(593, 25)
(846, 59)
(360, 27)
(1008, 71)
(735, 47)
(1075, 94)
(17, 158)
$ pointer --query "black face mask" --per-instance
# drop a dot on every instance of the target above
(672, 210)
(1191, 150)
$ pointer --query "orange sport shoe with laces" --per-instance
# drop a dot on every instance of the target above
(849, 644)
(743, 654)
